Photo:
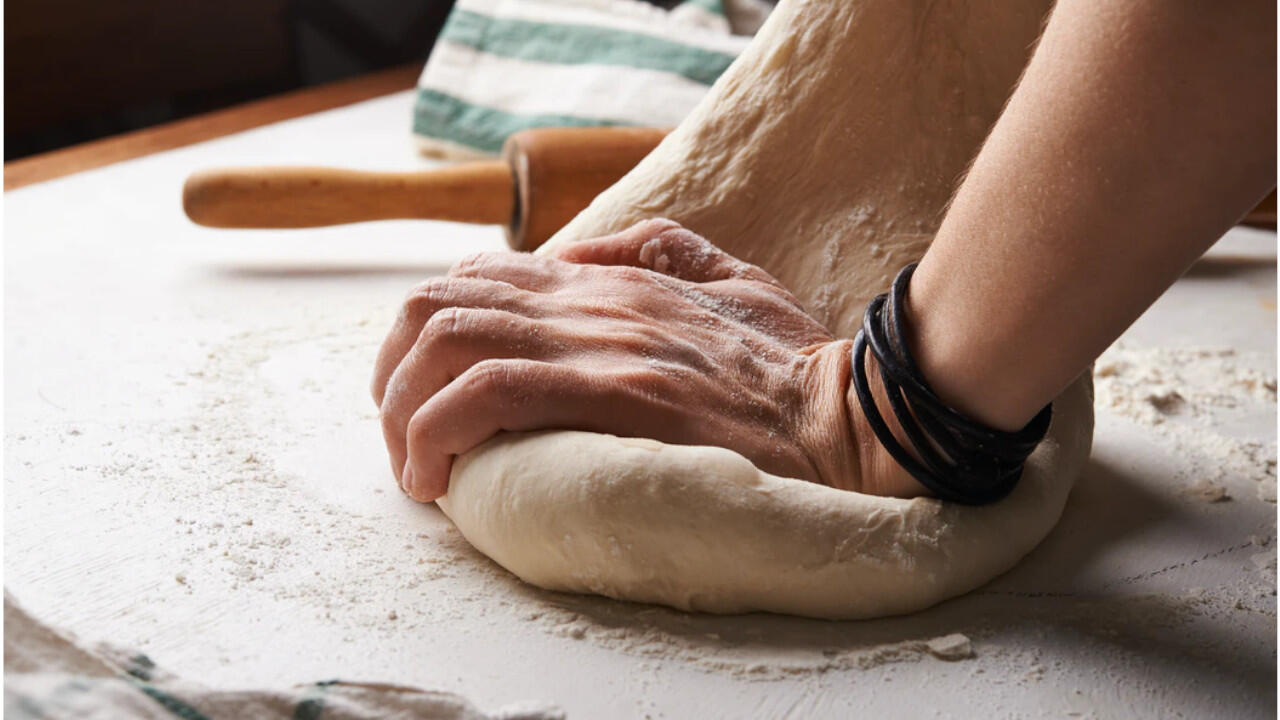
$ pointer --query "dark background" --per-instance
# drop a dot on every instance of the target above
(76, 70)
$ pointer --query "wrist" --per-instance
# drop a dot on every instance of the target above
(959, 355)
(958, 458)
(837, 438)
(879, 472)
(824, 434)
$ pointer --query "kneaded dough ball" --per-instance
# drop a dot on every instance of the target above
(701, 528)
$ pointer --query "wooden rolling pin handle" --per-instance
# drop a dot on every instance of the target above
(298, 197)
(559, 171)
(546, 177)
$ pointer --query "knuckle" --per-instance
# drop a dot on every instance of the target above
(388, 421)
(391, 416)
(657, 226)
(490, 375)
(417, 433)
(687, 239)
(473, 264)
(428, 297)
(445, 324)
(397, 387)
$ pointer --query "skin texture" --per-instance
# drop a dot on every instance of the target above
(1142, 130)
(636, 334)
(1139, 133)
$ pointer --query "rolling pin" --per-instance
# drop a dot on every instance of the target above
(545, 177)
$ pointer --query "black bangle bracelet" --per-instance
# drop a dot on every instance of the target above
(960, 459)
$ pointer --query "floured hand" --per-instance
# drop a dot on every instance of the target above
(652, 332)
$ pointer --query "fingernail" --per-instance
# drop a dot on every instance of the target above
(406, 479)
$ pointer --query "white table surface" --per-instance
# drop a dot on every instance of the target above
(193, 467)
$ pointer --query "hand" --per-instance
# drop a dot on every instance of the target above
(652, 332)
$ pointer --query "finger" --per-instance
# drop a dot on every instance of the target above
(534, 273)
(435, 295)
(495, 396)
(524, 395)
(665, 247)
(451, 342)
(620, 248)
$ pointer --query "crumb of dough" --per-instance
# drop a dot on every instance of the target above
(1167, 402)
(955, 646)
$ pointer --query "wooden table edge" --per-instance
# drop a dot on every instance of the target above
(189, 131)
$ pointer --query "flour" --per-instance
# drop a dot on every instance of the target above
(1186, 395)
(764, 654)
(1264, 560)
(244, 524)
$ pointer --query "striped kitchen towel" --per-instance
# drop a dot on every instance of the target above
(500, 66)
(51, 674)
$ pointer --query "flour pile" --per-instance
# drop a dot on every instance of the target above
(1196, 400)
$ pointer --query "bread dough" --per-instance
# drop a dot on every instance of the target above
(701, 528)
(826, 155)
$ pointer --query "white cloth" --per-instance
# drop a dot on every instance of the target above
(501, 66)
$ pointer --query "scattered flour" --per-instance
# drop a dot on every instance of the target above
(1264, 560)
(1194, 399)
(244, 524)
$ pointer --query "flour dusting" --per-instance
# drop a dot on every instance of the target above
(1195, 400)
(245, 523)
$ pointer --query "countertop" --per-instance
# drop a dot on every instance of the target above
(193, 467)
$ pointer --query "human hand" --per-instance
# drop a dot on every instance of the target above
(652, 332)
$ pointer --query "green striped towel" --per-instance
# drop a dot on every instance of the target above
(50, 674)
(500, 66)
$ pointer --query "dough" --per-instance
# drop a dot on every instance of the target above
(701, 528)
(826, 155)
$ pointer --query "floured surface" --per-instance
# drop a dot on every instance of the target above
(193, 467)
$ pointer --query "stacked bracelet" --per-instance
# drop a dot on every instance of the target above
(959, 459)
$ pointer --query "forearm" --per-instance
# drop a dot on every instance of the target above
(1140, 132)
